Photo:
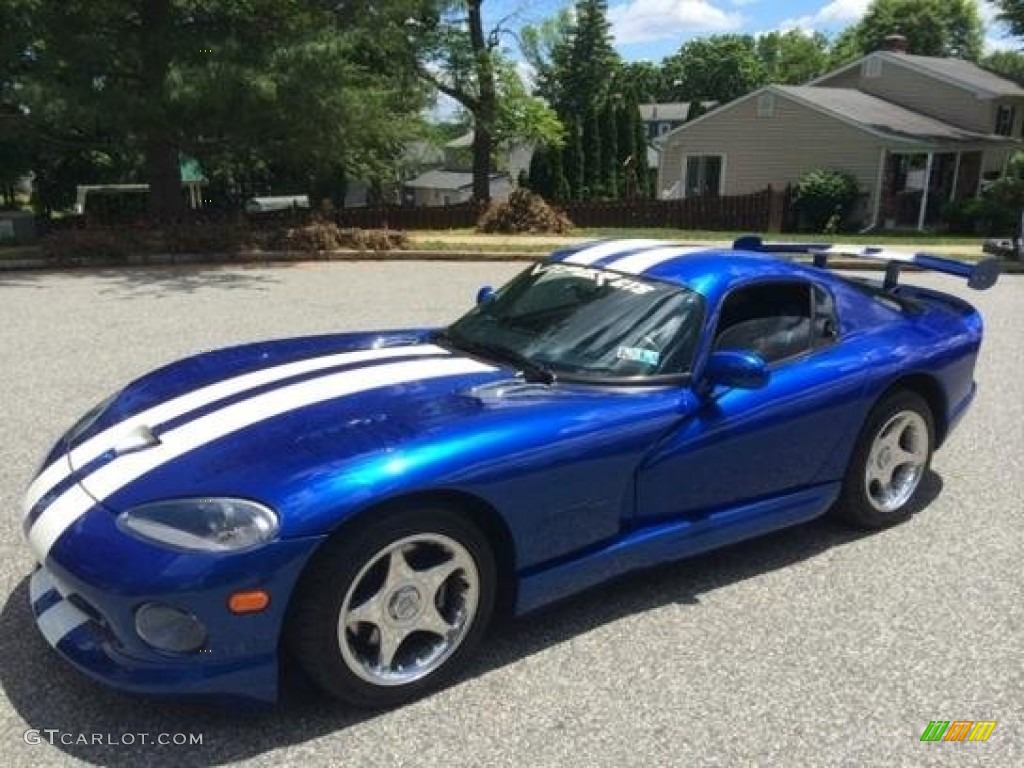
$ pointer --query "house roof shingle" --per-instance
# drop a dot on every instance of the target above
(672, 111)
(965, 73)
(883, 116)
(448, 180)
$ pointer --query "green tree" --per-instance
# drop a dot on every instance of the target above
(465, 63)
(844, 48)
(584, 62)
(610, 150)
(932, 27)
(323, 88)
(1011, 13)
(792, 58)
(541, 179)
(696, 110)
(1008, 64)
(573, 159)
(626, 118)
(560, 185)
(645, 180)
(592, 159)
(718, 68)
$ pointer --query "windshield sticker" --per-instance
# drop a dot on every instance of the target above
(599, 276)
(638, 355)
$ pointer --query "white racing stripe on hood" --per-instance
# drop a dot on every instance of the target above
(109, 479)
(611, 248)
(191, 401)
(641, 262)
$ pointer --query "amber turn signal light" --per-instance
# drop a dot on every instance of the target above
(250, 601)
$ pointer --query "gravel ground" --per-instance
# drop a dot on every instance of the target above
(814, 646)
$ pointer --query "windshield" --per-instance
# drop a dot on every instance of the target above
(581, 322)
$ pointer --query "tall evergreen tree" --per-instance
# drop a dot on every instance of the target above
(585, 61)
(592, 165)
(540, 179)
(573, 160)
(626, 143)
(560, 185)
(644, 180)
(610, 150)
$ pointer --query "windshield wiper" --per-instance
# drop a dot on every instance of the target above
(532, 371)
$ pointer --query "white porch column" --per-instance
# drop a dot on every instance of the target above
(924, 193)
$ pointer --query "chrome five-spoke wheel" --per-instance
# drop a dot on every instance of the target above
(897, 461)
(408, 609)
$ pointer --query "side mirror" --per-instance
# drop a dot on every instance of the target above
(484, 295)
(736, 369)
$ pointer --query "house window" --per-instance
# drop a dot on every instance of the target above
(766, 105)
(872, 67)
(704, 175)
(664, 128)
(1006, 116)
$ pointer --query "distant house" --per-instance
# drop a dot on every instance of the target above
(441, 187)
(452, 182)
(915, 131)
(662, 118)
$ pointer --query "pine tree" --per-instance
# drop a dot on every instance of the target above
(644, 182)
(573, 160)
(625, 119)
(593, 189)
(559, 184)
(610, 151)
(540, 178)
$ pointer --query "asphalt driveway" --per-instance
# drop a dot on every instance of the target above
(814, 646)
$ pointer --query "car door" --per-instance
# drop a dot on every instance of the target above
(743, 445)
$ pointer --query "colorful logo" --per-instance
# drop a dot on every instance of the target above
(958, 730)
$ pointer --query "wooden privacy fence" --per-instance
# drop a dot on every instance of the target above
(766, 211)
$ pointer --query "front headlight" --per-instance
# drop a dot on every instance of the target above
(204, 525)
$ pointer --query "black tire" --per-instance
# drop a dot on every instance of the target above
(312, 634)
(856, 503)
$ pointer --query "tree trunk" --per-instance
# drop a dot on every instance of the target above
(163, 169)
(487, 105)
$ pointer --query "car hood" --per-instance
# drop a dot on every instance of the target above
(230, 421)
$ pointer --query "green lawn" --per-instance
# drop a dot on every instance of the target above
(898, 238)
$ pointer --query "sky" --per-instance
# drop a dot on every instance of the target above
(653, 29)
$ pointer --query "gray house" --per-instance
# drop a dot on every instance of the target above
(452, 183)
(915, 131)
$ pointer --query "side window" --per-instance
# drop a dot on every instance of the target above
(771, 319)
(826, 323)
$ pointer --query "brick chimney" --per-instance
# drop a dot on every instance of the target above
(896, 43)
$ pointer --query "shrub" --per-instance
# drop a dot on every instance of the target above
(323, 235)
(523, 212)
(995, 214)
(317, 235)
(825, 198)
(90, 244)
(220, 237)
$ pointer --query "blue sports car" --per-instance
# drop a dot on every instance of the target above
(366, 501)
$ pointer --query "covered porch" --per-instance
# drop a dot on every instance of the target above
(916, 184)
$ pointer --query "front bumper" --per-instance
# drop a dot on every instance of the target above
(92, 626)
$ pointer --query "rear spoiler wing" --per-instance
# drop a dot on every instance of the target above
(980, 276)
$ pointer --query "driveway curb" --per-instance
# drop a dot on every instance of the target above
(299, 257)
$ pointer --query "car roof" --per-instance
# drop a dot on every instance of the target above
(711, 271)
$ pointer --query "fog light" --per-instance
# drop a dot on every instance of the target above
(167, 628)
